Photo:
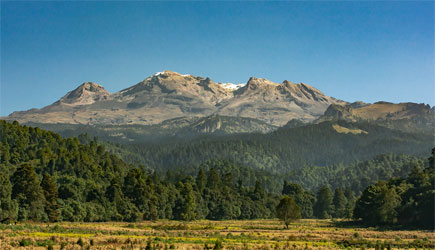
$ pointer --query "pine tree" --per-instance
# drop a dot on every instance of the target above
(8, 208)
(51, 196)
(189, 206)
(28, 192)
(201, 180)
(350, 204)
(324, 207)
(213, 180)
(340, 202)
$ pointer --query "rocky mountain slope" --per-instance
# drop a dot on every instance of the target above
(167, 95)
(411, 117)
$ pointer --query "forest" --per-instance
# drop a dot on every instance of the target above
(45, 177)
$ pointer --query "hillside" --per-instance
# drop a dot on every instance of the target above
(410, 117)
(285, 149)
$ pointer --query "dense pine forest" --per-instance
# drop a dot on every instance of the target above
(287, 149)
(45, 177)
(284, 150)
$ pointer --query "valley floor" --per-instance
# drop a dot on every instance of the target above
(256, 234)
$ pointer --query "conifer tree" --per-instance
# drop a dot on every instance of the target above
(28, 192)
(340, 203)
(51, 196)
(201, 180)
(189, 206)
(8, 208)
(323, 208)
(213, 180)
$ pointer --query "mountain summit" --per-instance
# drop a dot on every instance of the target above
(85, 94)
(166, 95)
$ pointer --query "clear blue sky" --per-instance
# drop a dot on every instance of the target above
(367, 51)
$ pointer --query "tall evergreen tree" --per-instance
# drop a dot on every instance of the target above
(186, 203)
(201, 180)
(213, 180)
(8, 207)
(340, 203)
(350, 204)
(51, 196)
(324, 207)
(28, 192)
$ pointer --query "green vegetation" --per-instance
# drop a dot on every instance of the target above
(204, 234)
(45, 177)
(288, 211)
(405, 201)
(51, 179)
(163, 147)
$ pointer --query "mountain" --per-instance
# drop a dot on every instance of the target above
(87, 93)
(411, 117)
(168, 95)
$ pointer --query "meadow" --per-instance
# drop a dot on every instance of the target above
(204, 234)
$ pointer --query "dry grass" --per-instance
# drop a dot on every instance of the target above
(344, 130)
(258, 234)
(379, 110)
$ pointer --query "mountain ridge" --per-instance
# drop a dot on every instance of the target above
(407, 116)
(166, 95)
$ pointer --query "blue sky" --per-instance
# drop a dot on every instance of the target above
(367, 51)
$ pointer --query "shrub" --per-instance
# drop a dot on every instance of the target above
(218, 245)
(80, 242)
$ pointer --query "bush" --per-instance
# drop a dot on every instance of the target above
(25, 242)
(80, 242)
(218, 245)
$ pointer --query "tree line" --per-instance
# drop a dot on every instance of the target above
(400, 201)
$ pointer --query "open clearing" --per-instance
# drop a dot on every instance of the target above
(257, 234)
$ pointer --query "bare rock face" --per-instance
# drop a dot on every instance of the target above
(167, 95)
(277, 103)
(85, 94)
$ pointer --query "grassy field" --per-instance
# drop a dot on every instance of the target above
(258, 234)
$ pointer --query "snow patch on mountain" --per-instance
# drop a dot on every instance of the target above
(231, 86)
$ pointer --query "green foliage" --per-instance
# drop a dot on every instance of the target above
(85, 183)
(324, 208)
(28, 192)
(287, 149)
(45, 177)
(51, 196)
(355, 176)
(407, 201)
(288, 211)
(304, 199)
(8, 207)
(218, 245)
(377, 204)
(340, 202)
